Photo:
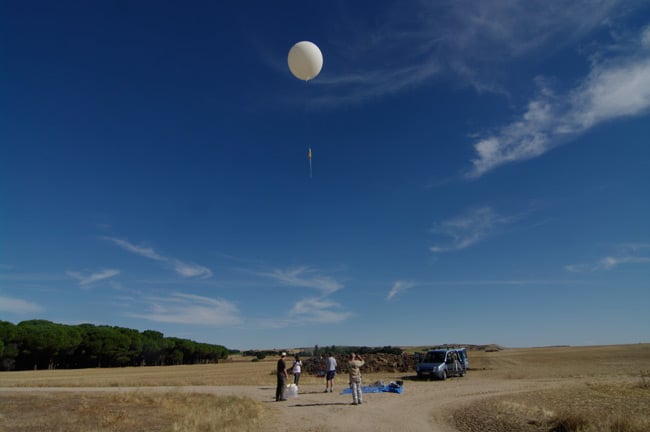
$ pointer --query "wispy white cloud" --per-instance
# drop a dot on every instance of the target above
(501, 282)
(496, 28)
(143, 251)
(362, 86)
(410, 44)
(611, 262)
(312, 310)
(468, 229)
(190, 309)
(18, 306)
(187, 270)
(306, 277)
(89, 279)
(474, 44)
(318, 311)
(399, 287)
(190, 270)
(606, 263)
(578, 268)
(616, 87)
(482, 39)
(634, 246)
(627, 253)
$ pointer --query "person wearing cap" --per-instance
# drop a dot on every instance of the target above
(282, 378)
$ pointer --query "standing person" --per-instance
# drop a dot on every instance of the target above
(330, 364)
(296, 368)
(454, 357)
(355, 378)
(282, 378)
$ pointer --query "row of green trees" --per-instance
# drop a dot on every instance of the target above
(40, 344)
(334, 350)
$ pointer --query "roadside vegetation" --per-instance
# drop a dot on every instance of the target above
(594, 408)
(645, 380)
(603, 391)
(581, 389)
(127, 412)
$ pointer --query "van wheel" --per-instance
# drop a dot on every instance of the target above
(444, 375)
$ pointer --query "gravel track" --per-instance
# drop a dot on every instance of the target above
(423, 406)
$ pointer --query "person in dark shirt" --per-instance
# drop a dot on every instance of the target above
(282, 379)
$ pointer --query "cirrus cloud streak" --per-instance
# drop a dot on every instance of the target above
(190, 309)
(186, 270)
(615, 88)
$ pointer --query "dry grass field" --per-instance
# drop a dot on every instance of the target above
(594, 389)
(537, 389)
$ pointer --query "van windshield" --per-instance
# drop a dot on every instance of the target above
(434, 357)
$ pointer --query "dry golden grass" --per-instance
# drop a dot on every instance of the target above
(222, 374)
(611, 407)
(593, 389)
(564, 362)
(117, 412)
(600, 389)
(126, 412)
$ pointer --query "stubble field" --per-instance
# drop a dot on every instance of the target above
(535, 389)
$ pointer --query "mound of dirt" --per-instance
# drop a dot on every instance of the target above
(374, 363)
(486, 348)
(383, 362)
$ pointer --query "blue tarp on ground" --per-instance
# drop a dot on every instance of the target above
(390, 388)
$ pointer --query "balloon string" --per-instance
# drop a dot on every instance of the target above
(308, 128)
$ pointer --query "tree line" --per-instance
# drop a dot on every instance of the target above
(323, 351)
(41, 344)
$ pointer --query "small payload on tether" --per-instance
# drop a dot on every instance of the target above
(305, 63)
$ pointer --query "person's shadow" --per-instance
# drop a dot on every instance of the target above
(318, 404)
(312, 392)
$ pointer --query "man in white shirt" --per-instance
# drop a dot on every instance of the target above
(296, 369)
(330, 364)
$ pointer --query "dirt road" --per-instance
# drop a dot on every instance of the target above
(423, 406)
(525, 387)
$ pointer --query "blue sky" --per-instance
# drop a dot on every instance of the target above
(481, 171)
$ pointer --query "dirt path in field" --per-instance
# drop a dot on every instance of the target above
(423, 406)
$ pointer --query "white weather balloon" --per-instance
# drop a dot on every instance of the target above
(305, 60)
